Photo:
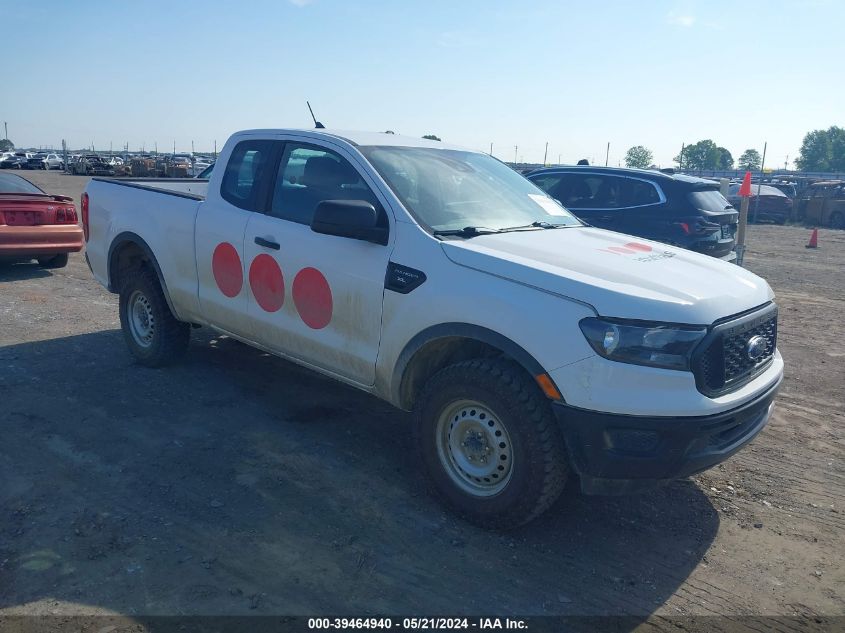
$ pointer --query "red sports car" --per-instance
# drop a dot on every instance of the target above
(35, 224)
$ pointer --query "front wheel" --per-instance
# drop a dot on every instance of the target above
(154, 336)
(489, 443)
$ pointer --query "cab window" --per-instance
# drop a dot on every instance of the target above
(308, 175)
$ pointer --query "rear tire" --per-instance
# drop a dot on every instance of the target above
(56, 261)
(490, 443)
(154, 336)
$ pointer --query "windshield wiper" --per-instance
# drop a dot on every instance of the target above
(535, 225)
(468, 231)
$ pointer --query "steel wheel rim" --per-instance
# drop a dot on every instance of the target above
(474, 448)
(141, 319)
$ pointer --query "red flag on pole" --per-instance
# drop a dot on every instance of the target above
(745, 189)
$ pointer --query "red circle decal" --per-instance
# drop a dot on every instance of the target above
(645, 248)
(313, 298)
(226, 266)
(267, 282)
(621, 249)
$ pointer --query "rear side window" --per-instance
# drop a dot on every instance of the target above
(246, 174)
(598, 191)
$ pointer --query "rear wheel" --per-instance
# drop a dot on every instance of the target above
(56, 261)
(154, 336)
(489, 443)
(837, 220)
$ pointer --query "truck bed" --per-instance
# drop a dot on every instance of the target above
(195, 188)
(159, 211)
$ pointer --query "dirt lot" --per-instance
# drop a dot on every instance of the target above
(237, 483)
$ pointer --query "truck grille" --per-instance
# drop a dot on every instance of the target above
(723, 362)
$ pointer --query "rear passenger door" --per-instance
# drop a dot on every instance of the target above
(317, 298)
(219, 235)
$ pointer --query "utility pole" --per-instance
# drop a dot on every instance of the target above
(786, 163)
(558, 159)
(760, 184)
(192, 148)
(174, 146)
(681, 158)
(6, 128)
(607, 154)
(546, 154)
(215, 149)
(515, 149)
(491, 149)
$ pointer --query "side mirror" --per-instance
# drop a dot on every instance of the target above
(356, 219)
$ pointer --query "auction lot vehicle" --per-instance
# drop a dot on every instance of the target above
(767, 203)
(670, 208)
(46, 161)
(823, 203)
(528, 345)
(35, 224)
(91, 165)
(18, 160)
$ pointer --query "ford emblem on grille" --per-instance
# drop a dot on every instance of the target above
(756, 347)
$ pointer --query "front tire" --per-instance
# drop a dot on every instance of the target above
(489, 443)
(154, 336)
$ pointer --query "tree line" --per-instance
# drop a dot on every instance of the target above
(821, 150)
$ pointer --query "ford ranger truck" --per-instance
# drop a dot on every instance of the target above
(531, 347)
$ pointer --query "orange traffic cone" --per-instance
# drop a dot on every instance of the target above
(814, 239)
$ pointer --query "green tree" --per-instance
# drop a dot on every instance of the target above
(705, 155)
(6, 145)
(638, 157)
(750, 160)
(432, 137)
(823, 150)
(726, 161)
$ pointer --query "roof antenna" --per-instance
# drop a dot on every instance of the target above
(317, 124)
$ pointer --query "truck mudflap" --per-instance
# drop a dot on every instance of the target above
(620, 454)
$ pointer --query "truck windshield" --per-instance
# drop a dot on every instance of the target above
(452, 189)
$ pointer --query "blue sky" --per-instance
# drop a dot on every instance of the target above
(574, 74)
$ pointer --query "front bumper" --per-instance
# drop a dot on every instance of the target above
(618, 454)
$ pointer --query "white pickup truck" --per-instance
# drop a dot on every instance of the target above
(529, 345)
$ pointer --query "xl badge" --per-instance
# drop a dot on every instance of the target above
(756, 347)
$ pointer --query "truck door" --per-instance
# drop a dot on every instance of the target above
(317, 298)
(219, 235)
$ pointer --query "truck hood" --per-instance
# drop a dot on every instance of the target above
(618, 275)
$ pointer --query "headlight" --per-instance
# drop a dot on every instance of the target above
(653, 344)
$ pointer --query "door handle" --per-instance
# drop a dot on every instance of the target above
(267, 243)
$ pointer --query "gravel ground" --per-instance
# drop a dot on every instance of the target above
(238, 483)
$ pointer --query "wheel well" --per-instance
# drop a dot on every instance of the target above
(437, 354)
(124, 258)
